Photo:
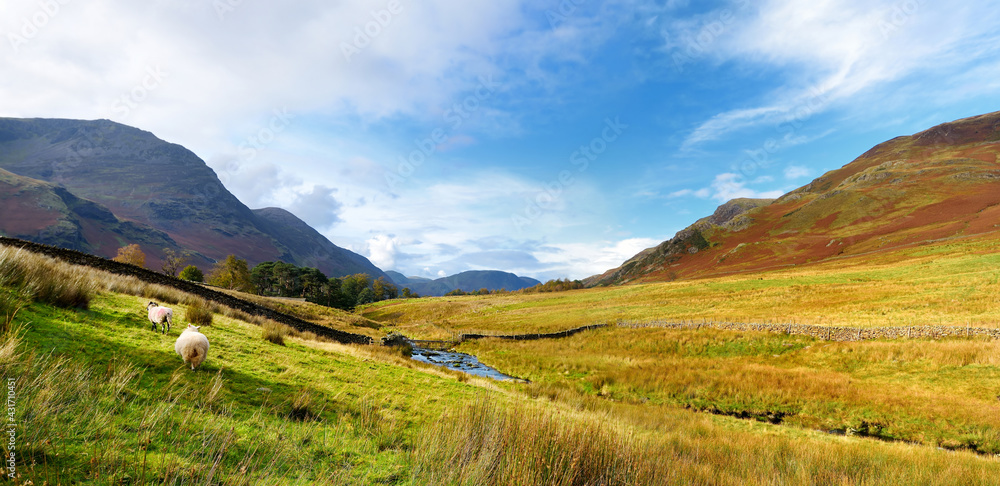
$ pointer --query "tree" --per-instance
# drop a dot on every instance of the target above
(262, 277)
(384, 290)
(172, 261)
(232, 273)
(132, 255)
(352, 285)
(367, 296)
(312, 281)
(286, 278)
(192, 273)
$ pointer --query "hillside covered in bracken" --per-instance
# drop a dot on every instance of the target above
(940, 183)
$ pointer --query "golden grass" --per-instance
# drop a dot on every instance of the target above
(491, 443)
(199, 313)
(936, 393)
(318, 314)
(274, 332)
(604, 407)
(949, 284)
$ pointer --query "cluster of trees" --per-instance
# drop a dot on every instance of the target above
(555, 286)
(280, 279)
(482, 291)
(277, 279)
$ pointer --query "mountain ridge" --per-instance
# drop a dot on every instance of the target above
(468, 281)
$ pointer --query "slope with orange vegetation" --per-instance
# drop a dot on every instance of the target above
(940, 183)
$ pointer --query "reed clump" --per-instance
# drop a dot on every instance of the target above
(490, 444)
(199, 313)
(274, 332)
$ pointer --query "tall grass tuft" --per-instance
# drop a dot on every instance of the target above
(199, 314)
(302, 406)
(10, 304)
(488, 444)
(274, 332)
(45, 279)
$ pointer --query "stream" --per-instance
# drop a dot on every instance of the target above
(465, 363)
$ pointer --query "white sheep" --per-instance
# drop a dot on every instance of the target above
(192, 345)
(160, 315)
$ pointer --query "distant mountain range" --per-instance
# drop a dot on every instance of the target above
(466, 281)
(937, 184)
(95, 186)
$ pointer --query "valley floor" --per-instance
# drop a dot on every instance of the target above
(101, 399)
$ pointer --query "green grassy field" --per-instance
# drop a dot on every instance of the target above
(101, 399)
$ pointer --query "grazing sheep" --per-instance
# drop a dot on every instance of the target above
(160, 315)
(192, 345)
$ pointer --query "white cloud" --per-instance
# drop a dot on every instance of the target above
(82, 61)
(793, 172)
(316, 206)
(724, 123)
(728, 186)
(462, 222)
(703, 193)
(382, 251)
(587, 259)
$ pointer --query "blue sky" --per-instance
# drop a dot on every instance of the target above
(548, 138)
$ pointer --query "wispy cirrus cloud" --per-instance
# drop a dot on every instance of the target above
(824, 53)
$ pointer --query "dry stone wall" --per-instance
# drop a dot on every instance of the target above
(829, 333)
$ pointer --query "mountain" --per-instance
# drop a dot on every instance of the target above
(940, 183)
(68, 221)
(135, 188)
(466, 281)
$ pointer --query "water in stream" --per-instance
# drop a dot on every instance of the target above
(465, 363)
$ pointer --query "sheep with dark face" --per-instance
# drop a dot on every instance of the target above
(192, 346)
(160, 315)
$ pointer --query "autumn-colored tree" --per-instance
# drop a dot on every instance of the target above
(172, 261)
(131, 254)
(384, 290)
(232, 273)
